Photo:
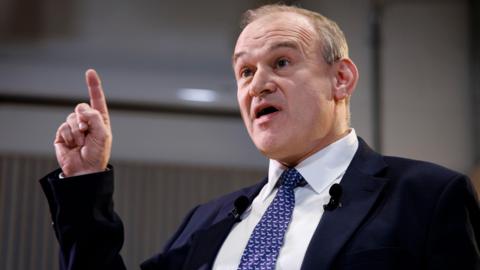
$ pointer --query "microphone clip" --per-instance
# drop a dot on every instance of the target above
(240, 205)
(335, 195)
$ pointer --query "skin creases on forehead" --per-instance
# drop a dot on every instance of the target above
(284, 32)
(272, 47)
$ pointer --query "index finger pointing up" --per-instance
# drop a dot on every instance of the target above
(95, 91)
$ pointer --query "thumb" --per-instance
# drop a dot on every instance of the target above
(95, 91)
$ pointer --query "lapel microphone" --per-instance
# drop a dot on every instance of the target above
(335, 195)
(240, 205)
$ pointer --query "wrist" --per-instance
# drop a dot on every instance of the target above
(62, 175)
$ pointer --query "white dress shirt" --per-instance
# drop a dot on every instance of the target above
(321, 170)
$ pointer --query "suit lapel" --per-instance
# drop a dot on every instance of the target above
(206, 243)
(361, 188)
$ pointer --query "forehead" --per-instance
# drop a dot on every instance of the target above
(276, 28)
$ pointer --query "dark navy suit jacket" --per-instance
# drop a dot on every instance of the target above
(396, 214)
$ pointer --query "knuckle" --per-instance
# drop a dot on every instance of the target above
(63, 126)
(82, 106)
(71, 116)
(82, 109)
(64, 130)
(89, 113)
(72, 124)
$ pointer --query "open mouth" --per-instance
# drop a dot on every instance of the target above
(266, 111)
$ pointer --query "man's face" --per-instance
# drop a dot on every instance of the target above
(285, 87)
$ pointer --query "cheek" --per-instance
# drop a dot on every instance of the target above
(244, 104)
(241, 100)
(313, 109)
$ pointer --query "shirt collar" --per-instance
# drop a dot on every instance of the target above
(321, 169)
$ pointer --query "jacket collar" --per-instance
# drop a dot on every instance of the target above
(207, 242)
(362, 184)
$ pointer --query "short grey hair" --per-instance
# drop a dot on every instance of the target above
(334, 44)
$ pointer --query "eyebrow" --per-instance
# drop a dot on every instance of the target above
(275, 46)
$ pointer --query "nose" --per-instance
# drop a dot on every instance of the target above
(261, 84)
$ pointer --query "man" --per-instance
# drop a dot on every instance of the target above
(294, 82)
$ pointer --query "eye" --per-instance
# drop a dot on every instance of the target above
(246, 72)
(281, 63)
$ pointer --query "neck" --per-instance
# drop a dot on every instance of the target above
(294, 161)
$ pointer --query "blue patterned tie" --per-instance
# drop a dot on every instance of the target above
(266, 240)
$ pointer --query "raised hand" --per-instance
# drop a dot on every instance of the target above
(84, 141)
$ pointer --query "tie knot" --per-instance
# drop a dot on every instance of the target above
(291, 178)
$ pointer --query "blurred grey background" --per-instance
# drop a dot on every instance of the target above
(178, 136)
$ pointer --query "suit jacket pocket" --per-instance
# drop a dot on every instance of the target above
(387, 258)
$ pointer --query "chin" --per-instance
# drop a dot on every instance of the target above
(271, 147)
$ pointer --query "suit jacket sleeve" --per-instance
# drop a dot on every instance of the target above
(89, 232)
(454, 238)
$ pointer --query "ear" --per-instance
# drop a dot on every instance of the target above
(345, 77)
